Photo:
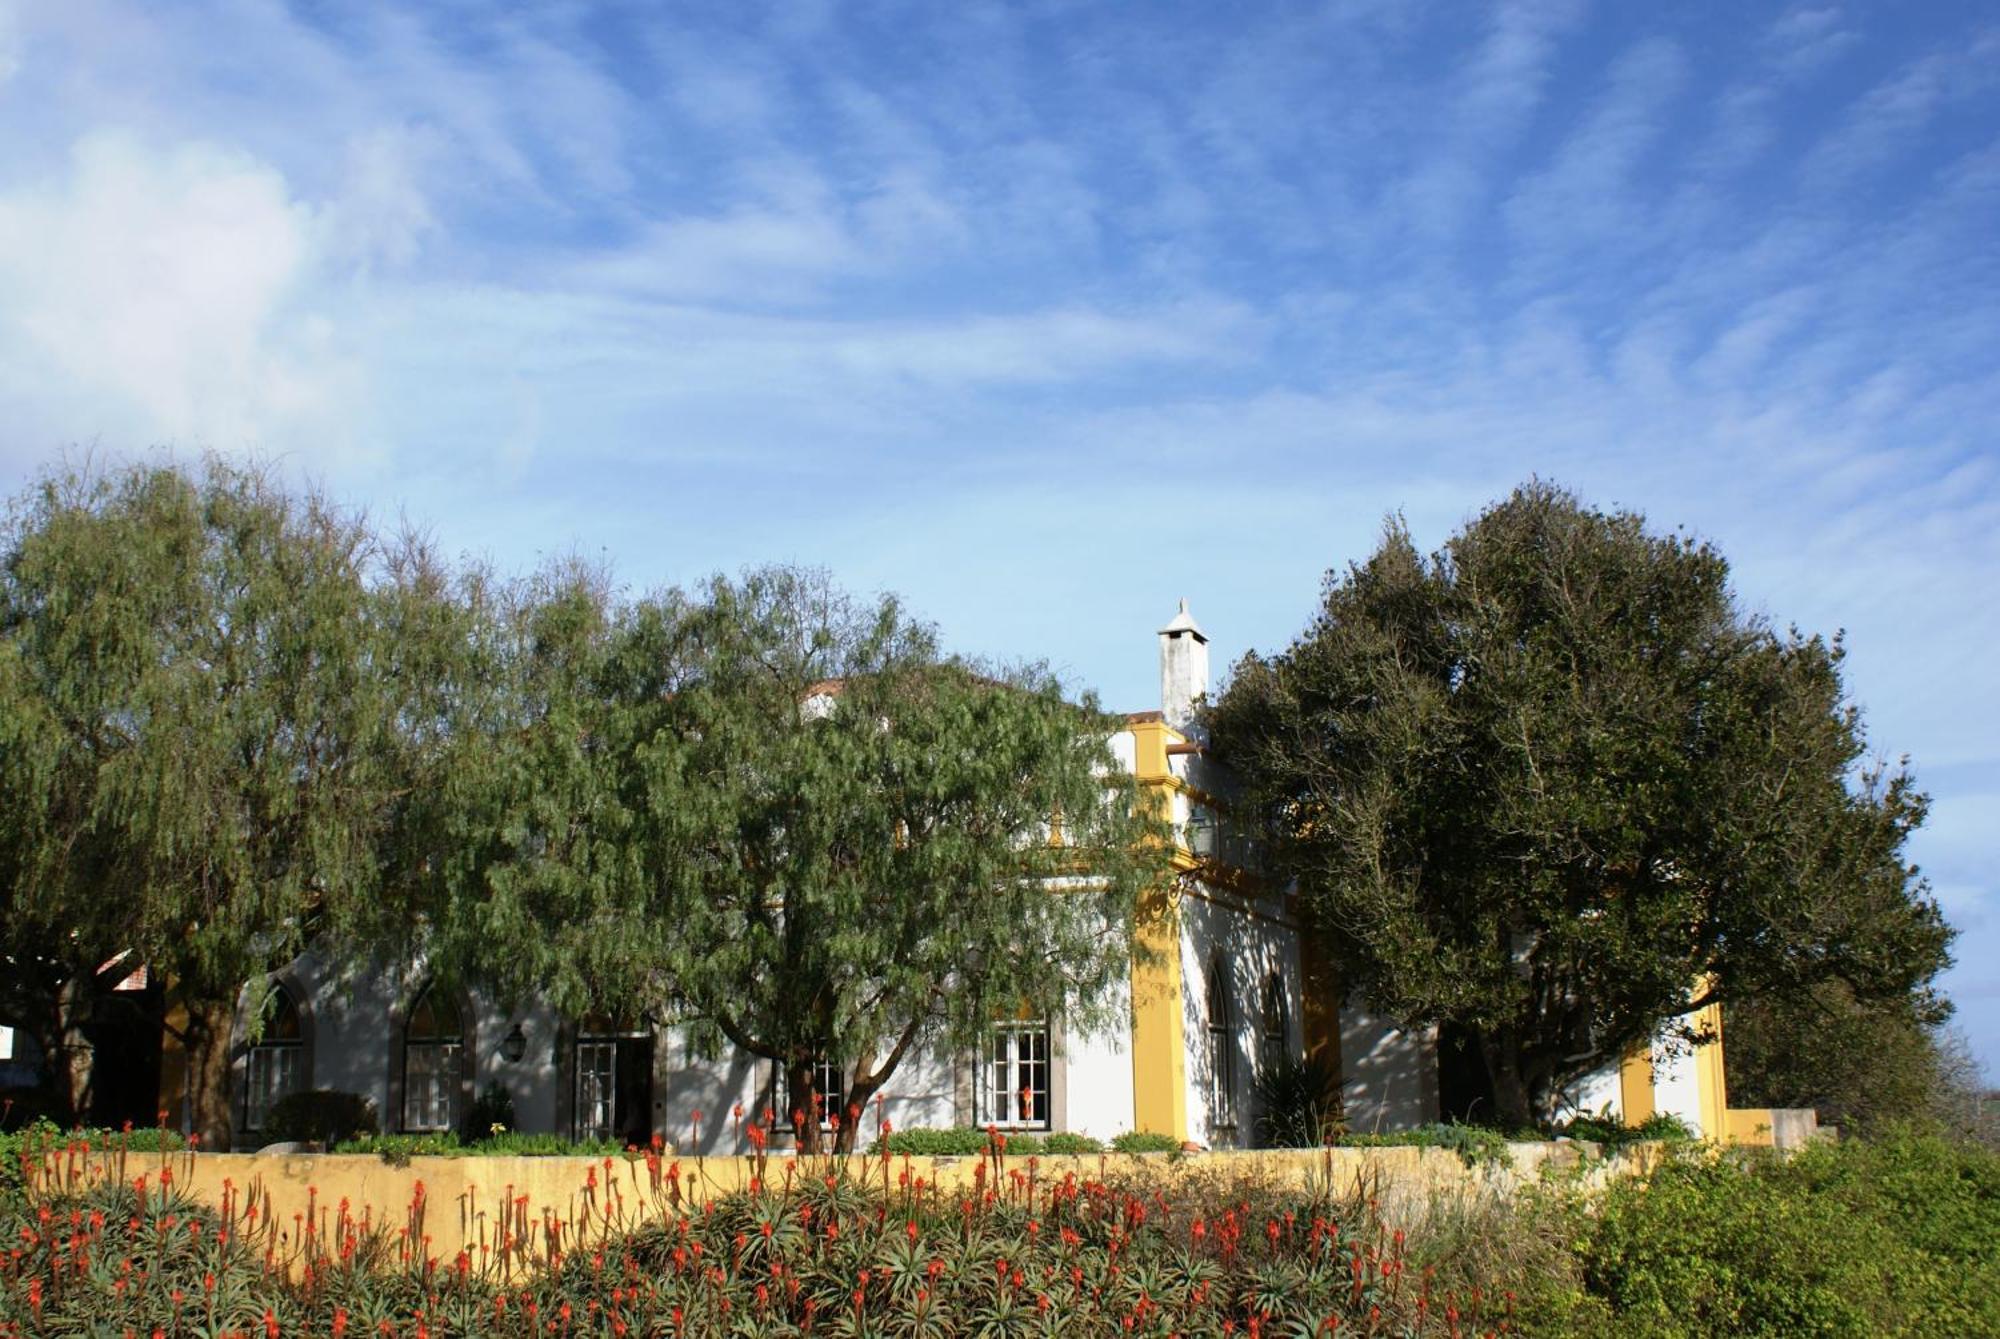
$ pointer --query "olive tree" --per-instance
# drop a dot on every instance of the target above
(1540, 784)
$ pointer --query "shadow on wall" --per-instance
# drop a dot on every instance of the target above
(1391, 1074)
(1227, 963)
(684, 1085)
(1216, 944)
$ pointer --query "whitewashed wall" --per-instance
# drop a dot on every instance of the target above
(1391, 1074)
(1248, 945)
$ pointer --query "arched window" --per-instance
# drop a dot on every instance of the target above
(275, 1065)
(1221, 1047)
(1277, 1034)
(433, 1062)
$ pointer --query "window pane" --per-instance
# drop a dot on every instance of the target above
(596, 1090)
(1018, 1084)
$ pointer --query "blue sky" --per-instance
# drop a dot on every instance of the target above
(1047, 314)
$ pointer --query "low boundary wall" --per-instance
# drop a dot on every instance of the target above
(512, 1211)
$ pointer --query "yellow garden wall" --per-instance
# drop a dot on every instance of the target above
(559, 1202)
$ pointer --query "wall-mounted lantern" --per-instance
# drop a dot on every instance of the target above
(514, 1045)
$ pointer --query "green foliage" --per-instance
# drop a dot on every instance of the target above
(1477, 1145)
(323, 1116)
(1660, 1127)
(1900, 1235)
(1298, 1104)
(1540, 784)
(398, 1149)
(492, 1112)
(964, 1141)
(1859, 1063)
(1897, 1235)
(216, 698)
(1144, 1141)
(783, 817)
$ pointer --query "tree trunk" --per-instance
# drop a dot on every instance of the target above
(72, 1059)
(1512, 1102)
(799, 1075)
(210, 1023)
(858, 1098)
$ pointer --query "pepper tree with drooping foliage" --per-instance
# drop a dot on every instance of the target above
(783, 817)
(216, 698)
(1539, 785)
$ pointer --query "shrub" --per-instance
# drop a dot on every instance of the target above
(1896, 1235)
(491, 1113)
(1145, 1141)
(966, 1142)
(1299, 1104)
(1661, 1127)
(962, 1142)
(322, 1116)
(398, 1149)
(1476, 1144)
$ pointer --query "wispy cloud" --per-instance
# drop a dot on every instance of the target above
(988, 302)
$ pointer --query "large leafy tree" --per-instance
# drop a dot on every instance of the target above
(783, 818)
(217, 698)
(1860, 1063)
(1540, 784)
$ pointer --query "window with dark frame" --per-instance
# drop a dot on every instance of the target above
(275, 1065)
(1277, 1036)
(433, 1061)
(1221, 1047)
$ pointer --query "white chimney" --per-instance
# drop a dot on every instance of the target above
(1183, 668)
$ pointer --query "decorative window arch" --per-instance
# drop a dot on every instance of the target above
(1221, 1023)
(275, 1063)
(1277, 1021)
(434, 1054)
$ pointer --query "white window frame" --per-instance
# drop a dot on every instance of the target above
(829, 1083)
(1005, 1070)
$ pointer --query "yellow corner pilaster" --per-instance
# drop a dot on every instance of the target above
(1710, 1079)
(1159, 1042)
(1635, 1085)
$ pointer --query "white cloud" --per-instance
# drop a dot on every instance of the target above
(382, 213)
(150, 294)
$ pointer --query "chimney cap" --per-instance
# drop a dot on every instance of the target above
(1184, 622)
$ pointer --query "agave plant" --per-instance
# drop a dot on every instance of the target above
(1299, 1104)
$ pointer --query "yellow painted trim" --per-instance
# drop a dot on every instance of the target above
(1711, 1083)
(1750, 1126)
(1149, 751)
(1159, 1042)
(1635, 1085)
